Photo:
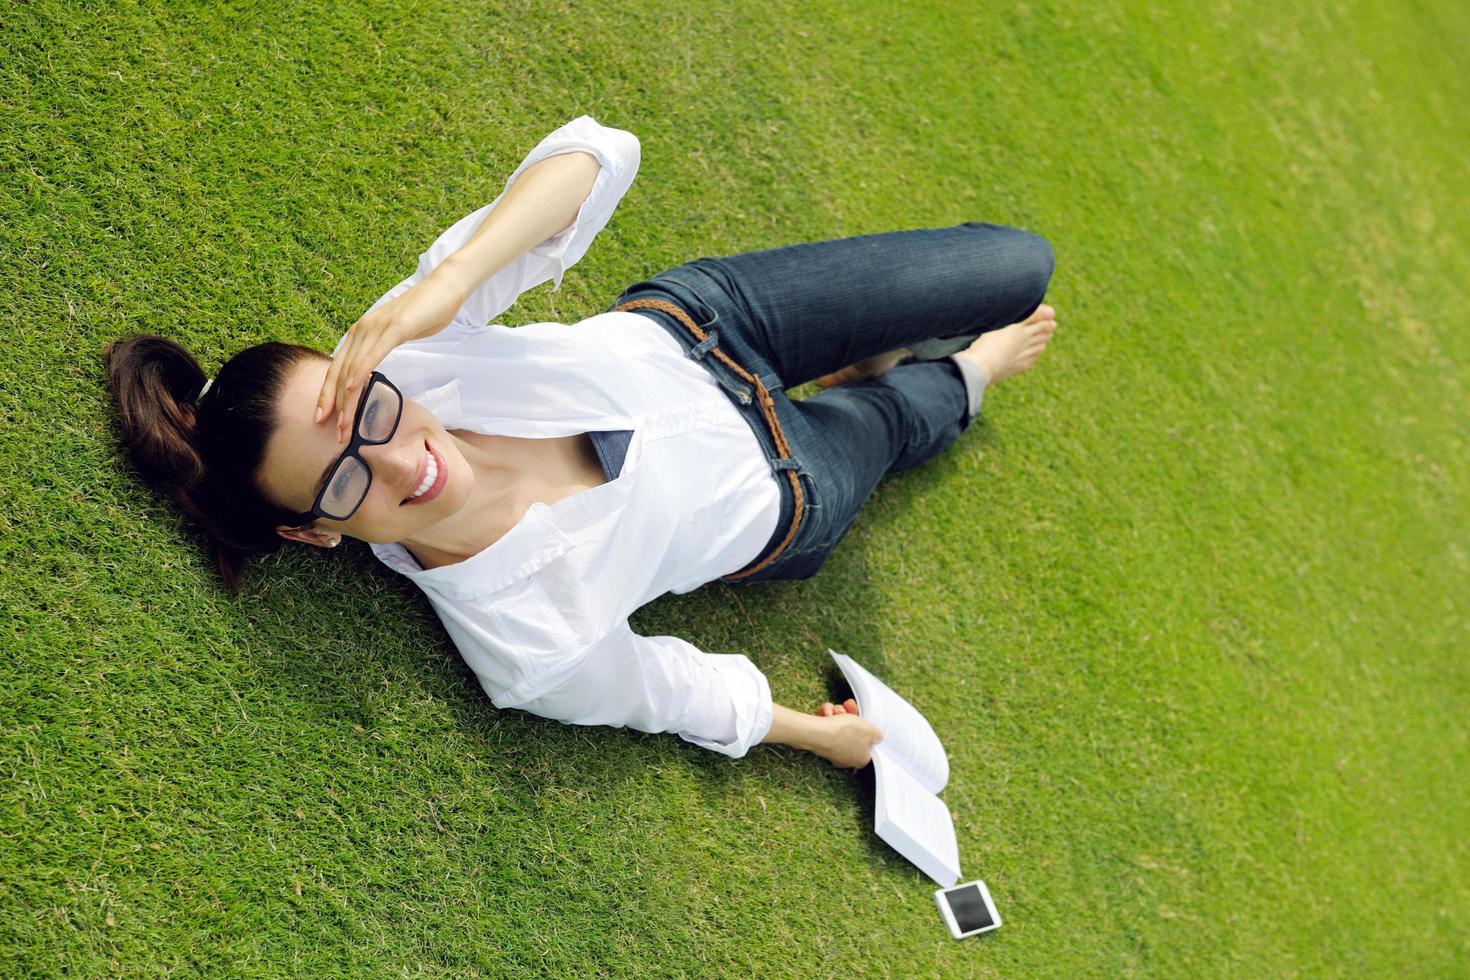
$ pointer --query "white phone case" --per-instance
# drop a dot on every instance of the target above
(948, 913)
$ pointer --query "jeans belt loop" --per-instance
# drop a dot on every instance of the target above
(698, 351)
(783, 463)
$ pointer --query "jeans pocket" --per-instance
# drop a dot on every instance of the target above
(812, 536)
(686, 285)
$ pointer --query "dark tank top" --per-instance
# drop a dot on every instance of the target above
(611, 446)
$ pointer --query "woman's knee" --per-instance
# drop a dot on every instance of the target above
(1028, 254)
(1040, 258)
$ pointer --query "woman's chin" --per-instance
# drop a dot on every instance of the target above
(457, 488)
(451, 498)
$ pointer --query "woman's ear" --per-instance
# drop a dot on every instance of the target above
(309, 535)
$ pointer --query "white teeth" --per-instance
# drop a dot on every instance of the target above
(431, 474)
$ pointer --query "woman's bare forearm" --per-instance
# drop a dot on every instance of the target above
(842, 738)
(795, 729)
(542, 201)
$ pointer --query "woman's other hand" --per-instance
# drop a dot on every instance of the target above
(420, 312)
(846, 740)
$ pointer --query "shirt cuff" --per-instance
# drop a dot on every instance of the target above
(617, 153)
(751, 694)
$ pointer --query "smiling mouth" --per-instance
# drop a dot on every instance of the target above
(435, 475)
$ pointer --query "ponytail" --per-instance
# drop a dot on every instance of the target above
(154, 384)
(203, 451)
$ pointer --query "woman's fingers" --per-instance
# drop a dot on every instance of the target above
(345, 384)
(326, 399)
(422, 311)
(335, 384)
(368, 341)
(364, 352)
(372, 357)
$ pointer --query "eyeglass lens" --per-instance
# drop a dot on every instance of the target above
(379, 414)
(349, 481)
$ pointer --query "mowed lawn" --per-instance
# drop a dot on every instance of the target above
(1190, 608)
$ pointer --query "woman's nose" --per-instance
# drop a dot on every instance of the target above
(396, 461)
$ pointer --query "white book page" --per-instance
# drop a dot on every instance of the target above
(908, 738)
(914, 822)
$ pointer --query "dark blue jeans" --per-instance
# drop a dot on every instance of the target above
(789, 315)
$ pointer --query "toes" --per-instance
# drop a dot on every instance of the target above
(1041, 313)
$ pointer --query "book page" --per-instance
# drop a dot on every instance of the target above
(908, 738)
(915, 823)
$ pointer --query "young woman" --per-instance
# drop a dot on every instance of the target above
(541, 483)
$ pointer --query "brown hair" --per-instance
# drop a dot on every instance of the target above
(204, 454)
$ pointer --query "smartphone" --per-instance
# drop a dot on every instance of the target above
(967, 909)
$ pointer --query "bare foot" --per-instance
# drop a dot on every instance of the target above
(1011, 350)
(863, 370)
(847, 740)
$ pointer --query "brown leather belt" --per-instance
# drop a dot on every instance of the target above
(768, 409)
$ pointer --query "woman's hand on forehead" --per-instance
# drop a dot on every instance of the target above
(421, 312)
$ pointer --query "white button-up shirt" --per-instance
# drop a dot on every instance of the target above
(540, 616)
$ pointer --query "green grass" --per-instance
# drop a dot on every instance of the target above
(1189, 608)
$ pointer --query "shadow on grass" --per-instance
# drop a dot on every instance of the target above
(339, 676)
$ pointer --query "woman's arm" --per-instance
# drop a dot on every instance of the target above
(842, 738)
(542, 202)
(720, 702)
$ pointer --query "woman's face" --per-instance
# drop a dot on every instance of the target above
(300, 453)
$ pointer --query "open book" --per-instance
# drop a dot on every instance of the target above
(909, 768)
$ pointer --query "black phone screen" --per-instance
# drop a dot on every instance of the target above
(968, 906)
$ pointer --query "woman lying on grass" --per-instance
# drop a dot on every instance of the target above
(541, 483)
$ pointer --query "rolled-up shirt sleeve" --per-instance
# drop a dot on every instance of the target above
(718, 701)
(617, 152)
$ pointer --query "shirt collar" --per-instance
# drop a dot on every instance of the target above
(533, 542)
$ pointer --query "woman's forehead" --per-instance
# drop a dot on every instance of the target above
(296, 408)
(300, 446)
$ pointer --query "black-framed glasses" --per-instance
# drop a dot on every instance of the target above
(346, 486)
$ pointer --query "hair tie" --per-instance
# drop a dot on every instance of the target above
(207, 383)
